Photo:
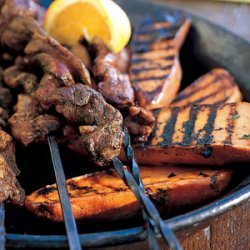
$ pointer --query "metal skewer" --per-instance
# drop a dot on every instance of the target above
(2, 227)
(70, 223)
(133, 180)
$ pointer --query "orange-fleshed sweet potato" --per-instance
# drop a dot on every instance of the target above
(204, 134)
(104, 196)
(215, 87)
(155, 68)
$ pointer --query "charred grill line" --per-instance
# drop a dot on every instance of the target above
(145, 48)
(150, 95)
(169, 128)
(207, 140)
(151, 215)
(189, 126)
(152, 135)
(153, 78)
(201, 88)
(138, 71)
(70, 223)
(230, 125)
(2, 228)
(139, 60)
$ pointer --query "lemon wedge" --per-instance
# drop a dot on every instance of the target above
(70, 20)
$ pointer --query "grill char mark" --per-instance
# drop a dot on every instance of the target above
(169, 128)
(209, 127)
(180, 97)
(189, 126)
(139, 60)
(138, 71)
(231, 123)
(153, 78)
(152, 136)
(202, 99)
(150, 95)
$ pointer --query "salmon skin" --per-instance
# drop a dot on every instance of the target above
(203, 134)
(155, 68)
(104, 196)
(215, 87)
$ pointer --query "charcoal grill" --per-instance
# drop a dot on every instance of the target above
(206, 47)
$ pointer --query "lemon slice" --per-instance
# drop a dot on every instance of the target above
(70, 20)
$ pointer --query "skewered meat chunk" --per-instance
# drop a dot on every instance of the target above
(155, 67)
(14, 77)
(215, 87)
(28, 124)
(205, 134)
(83, 106)
(117, 90)
(55, 68)
(169, 187)
(140, 123)
(47, 45)
(112, 84)
(10, 189)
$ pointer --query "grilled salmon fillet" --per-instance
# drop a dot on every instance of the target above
(203, 134)
(155, 68)
(215, 87)
(104, 196)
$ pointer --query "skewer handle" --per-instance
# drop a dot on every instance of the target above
(70, 223)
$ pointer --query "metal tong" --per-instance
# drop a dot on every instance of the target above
(153, 221)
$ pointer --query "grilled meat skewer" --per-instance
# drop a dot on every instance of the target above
(51, 74)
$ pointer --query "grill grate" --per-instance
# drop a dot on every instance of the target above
(153, 222)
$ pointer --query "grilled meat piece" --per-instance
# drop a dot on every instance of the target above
(14, 77)
(80, 105)
(205, 134)
(155, 68)
(47, 45)
(11, 8)
(112, 84)
(116, 88)
(55, 68)
(5, 97)
(140, 123)
(10, 188)
(4, 116)
(215, 87)
(170, 188)
(18, 32)
(29, 124)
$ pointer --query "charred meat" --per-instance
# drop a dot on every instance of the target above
(53, 81)
(10, 188)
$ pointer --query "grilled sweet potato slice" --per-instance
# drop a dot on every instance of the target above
(204, 134)
(104, 196)
(215, 87)
(155, 68)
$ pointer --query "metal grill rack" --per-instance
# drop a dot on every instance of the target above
(154, 225)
